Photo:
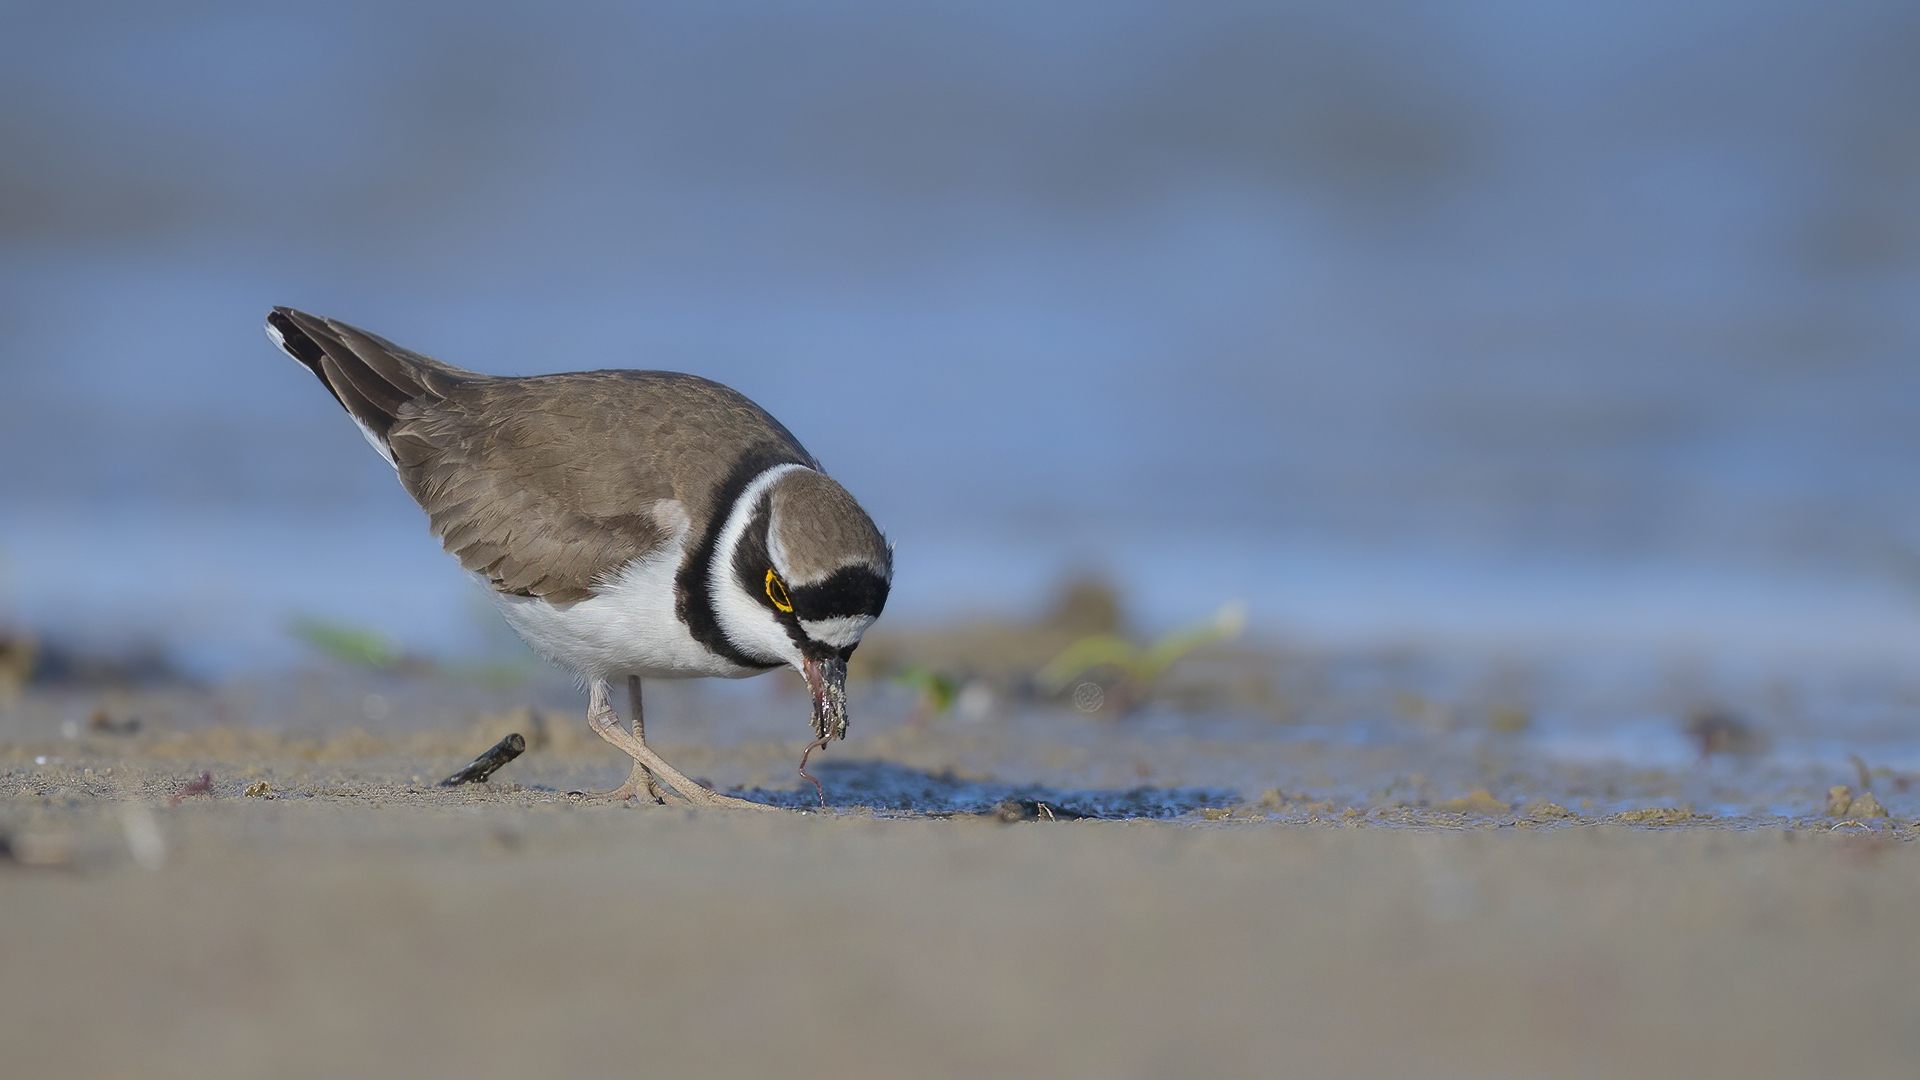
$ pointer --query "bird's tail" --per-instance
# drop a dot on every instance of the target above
(371, 377)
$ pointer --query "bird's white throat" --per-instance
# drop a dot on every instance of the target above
(630, 627)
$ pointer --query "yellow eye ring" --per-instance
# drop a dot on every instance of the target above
(777, 592)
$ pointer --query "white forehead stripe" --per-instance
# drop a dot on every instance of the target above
(739, 516)
(840, 632)
(739, 613)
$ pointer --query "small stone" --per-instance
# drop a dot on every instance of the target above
(1839, 800)
(1017, 809)
(1866, 806)
(1658, 815)
(255, 790)
(1478, 801)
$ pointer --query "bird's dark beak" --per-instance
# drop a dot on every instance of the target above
(827, 678)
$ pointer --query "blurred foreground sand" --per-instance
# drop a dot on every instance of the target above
(357, 922)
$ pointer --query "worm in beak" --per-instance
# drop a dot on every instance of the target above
(827, 679)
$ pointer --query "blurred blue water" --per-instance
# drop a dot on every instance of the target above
(1474, 321)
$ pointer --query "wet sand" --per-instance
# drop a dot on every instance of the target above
(351, 918)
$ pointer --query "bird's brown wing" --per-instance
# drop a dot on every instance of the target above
(548, 485)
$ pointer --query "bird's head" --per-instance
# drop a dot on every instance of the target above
(801, 576)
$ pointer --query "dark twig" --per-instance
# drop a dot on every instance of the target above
(484, 766)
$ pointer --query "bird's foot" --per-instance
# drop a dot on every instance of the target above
(707, 798)
(641, 785)
(631, 792)
(601, 717)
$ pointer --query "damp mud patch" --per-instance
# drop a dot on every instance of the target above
(893, 789)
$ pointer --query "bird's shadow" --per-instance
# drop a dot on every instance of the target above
(891, 788)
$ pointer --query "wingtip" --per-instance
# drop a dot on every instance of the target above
(284, 330)
(275, 333)
(279, 320)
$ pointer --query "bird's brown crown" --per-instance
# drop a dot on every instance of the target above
(820, 529)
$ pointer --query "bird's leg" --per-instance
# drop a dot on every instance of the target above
(601, 717)
(606, 724)
(654, 788)
(640, 783)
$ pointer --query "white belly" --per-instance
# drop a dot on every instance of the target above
(628, 629)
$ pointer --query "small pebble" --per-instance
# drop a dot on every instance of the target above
(1839, 800)
(1866, 806)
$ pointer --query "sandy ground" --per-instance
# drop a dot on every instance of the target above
(350, 918)
(502, 940)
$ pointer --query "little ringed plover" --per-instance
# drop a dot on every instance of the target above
(637, 524)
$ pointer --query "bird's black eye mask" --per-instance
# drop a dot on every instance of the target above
(848, 591)
(753, 568)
